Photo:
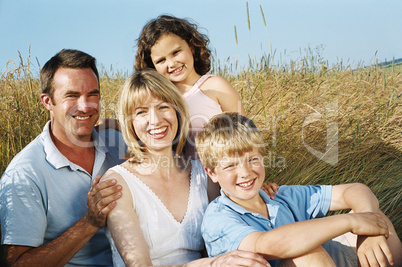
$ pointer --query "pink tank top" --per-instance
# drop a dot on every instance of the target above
(201, 107)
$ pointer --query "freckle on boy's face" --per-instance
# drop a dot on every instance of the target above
(240, 177)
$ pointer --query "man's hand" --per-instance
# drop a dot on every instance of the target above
(101, 199)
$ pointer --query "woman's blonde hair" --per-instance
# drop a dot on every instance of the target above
(227, 134)
(138, 87)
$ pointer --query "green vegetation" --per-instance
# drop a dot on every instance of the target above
(360, 108)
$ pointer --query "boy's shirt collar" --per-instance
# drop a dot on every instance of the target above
(225, 200)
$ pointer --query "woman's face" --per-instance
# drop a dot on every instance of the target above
(155, 123)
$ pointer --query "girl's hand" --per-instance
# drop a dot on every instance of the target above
(270, 189)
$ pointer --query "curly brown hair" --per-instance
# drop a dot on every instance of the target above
(185, 29)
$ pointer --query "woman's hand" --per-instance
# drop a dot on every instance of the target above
(240, 258)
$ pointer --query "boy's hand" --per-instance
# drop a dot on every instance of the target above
(270, 189)
(101, 199)
(373, 251)
(368, 223)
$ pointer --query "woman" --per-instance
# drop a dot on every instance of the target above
(157, 221)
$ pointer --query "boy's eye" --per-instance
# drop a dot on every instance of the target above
(228, 167)
(176, 52)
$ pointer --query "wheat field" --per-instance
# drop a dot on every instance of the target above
(322, 125)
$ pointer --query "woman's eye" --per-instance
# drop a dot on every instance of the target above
(139, 112)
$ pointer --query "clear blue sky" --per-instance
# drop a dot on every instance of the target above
(352, 31)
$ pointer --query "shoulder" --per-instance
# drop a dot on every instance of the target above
(29, 161)
(215, 82)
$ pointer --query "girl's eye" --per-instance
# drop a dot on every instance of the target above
(176, 52)
(160, 61)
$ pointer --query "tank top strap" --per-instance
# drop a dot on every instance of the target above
(202, 80)
(197, 85)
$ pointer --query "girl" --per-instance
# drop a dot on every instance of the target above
(158, 218)
(176, 49)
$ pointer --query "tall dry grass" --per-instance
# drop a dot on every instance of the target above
(363, 106)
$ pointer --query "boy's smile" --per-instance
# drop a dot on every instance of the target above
(240, 177)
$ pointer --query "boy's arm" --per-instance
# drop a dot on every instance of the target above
(370, 249)
(357, 197)
(295, 239)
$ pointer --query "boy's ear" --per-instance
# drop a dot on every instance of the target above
(211, 174)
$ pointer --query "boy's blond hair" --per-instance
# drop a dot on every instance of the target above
(227, 134)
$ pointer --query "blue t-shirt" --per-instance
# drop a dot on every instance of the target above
(42, 194)
(225, 223)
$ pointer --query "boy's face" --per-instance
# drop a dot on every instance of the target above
(240, 177)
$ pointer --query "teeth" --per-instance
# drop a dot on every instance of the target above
(246, 184)
(177, 70)
(157, 131)
(82, 118)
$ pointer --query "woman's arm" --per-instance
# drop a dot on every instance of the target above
(125, 229)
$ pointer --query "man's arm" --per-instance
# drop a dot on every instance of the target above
(101, 199)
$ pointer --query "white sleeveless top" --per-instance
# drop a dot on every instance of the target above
(170, 242)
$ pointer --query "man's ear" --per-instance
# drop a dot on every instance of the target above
(47, 101)
(211, 174)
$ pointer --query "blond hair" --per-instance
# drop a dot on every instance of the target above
(136, 90)
(227, 134)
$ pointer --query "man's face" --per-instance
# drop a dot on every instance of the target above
(75, 106)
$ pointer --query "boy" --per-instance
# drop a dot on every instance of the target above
(231, 149)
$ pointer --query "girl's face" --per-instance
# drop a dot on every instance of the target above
(173, 58)
(155, 123)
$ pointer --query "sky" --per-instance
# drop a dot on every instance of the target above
(354, 32)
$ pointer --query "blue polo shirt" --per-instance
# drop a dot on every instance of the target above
(225, 223)
(42, 194)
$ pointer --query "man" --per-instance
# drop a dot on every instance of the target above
(52, 206)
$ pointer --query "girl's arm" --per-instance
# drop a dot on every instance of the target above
(221, 91)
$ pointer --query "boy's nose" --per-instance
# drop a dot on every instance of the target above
(244, 170)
